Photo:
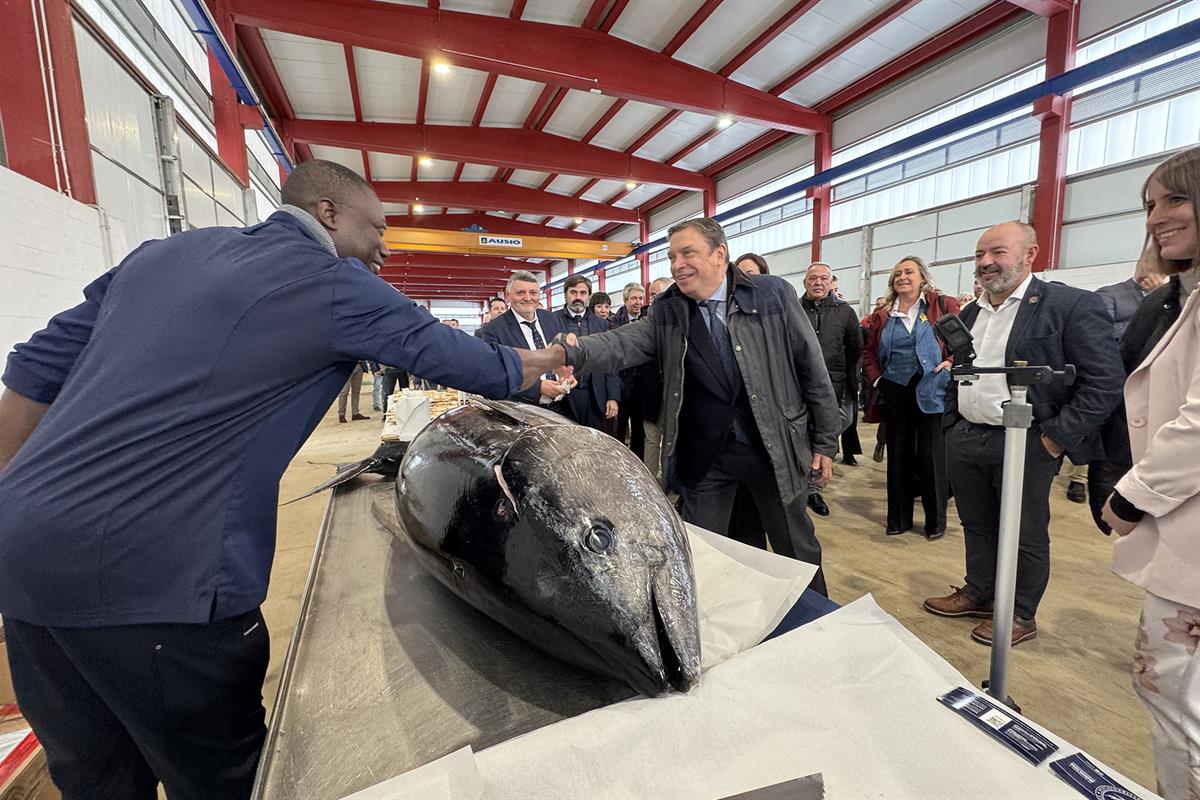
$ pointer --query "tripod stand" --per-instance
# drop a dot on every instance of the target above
(1018, 416)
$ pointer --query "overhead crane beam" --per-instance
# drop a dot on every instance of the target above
(516, 148)
(576, 58)
(445, 261)
(492, 196)
(493, 244)
(490, 223)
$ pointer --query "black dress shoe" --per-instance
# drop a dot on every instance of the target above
(360, 416)
(896, 531)
(818, 505)
(849, 461)
(1077, 492)
(931, 535)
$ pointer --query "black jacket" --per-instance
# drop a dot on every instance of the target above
(777, 355)
(1153, 318)
(841, 339)
(1058, 325)
(505, 329)
(595, 389)
(640, 385)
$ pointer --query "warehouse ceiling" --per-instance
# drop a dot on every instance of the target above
(573, 117)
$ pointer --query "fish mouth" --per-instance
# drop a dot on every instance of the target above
(672, 671)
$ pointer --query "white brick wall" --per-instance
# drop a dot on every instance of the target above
(50, 248)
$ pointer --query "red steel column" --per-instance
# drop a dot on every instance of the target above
(227, 114)
(1062, 40)
(822, 160)
(710, 203)
(36, 111)
(644, 256)
(600, 270)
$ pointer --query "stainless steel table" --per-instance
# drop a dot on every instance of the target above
(388, 670)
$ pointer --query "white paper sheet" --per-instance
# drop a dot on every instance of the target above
(742, 593)
(451, 777)
(852, 696)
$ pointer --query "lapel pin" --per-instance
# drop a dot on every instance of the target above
(1033, 299)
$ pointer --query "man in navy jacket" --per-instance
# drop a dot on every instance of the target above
(142, 437)
(527, 326)
(595, 400)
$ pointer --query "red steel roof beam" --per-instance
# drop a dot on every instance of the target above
(254, 51)
(777, 27)
(1044, 8)
(979, 24)
(546, 53)
(518, 148)
(892, 12)
(497, 197)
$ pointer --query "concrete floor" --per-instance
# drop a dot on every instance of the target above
(1073, 678)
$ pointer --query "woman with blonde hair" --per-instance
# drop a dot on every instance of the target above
(1155, 507)
(910, 370)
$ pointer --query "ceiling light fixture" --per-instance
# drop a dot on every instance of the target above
(418, 208)
(579, 220)
(631, 185)
(424, 161)
(724, 121)
(441, 68)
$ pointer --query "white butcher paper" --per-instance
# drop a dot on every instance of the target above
(451, 777)
(852, 695)
(742, 593)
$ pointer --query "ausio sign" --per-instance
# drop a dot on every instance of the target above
(500, 241)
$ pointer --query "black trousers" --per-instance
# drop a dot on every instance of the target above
(975, 457)
(392, 377)
(710, 504)
(631, 417)
(851, 446)
(121, 709)
(916, 462)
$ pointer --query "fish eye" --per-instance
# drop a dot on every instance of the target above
(599, 539)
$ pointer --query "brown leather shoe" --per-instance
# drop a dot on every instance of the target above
(958, 604)
(359, 416)
(341, 417)
(1021, 631)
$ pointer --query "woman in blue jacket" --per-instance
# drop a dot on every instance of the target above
(910, 371)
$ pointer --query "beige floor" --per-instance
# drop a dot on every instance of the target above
(1073, 678)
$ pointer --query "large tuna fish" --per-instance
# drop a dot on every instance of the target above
(558, 533)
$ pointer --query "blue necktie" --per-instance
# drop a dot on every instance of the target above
(720, 340)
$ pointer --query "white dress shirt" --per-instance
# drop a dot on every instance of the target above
(982, 401)
(909, 318)
(528, 333)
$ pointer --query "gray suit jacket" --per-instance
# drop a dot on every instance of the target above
(1122, 300)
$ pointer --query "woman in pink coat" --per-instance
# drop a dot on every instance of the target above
(1155, 507)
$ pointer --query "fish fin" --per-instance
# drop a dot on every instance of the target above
(523, 413)
(343, 474)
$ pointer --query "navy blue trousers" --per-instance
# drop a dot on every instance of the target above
(121, 709)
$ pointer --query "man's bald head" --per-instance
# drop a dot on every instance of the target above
(1024, 233)
(345, 205)
(312, 181)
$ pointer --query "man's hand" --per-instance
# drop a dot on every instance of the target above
(536, 363)
(610, 409)
(1051, 446)
(18, 417)
(947, 364)
(553, 389)
(1121, 526)
(822, 471)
